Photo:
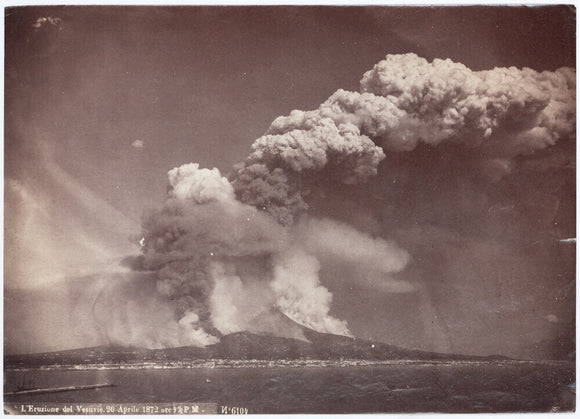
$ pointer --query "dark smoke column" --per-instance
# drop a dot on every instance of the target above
(273, 175)
(200, 226)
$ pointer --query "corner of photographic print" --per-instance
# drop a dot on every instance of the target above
(289, 209)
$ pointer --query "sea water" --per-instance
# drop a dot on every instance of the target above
(319, 386)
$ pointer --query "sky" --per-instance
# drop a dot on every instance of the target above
(441, 245)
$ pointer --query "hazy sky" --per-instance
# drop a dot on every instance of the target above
(101, 102)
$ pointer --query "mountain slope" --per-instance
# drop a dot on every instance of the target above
(270, 342)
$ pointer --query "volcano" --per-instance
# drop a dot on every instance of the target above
(273, 335)
(274, 323)
(270, 336)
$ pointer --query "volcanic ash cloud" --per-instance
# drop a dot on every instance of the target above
(405, 100)
(224, 249)
(223, 262)
(201, 224)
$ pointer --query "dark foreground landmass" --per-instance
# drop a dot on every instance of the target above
(305, 343)
(237, 346)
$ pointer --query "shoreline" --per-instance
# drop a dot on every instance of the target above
(255, 363)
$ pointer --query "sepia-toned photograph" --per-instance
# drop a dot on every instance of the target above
(289, 209)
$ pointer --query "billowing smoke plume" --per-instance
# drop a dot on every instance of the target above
(273, 176)
(201, 224)
(128, 310)
(226, 250)
(300, 294)
(405, 99)
(224, 262)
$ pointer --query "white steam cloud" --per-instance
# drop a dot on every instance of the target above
(128, 311)
(300, 295)
(199, 185)
(235, 303)
(405, 100)
(344, 242)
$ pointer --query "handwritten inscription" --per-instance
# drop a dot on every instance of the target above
(233, 410)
